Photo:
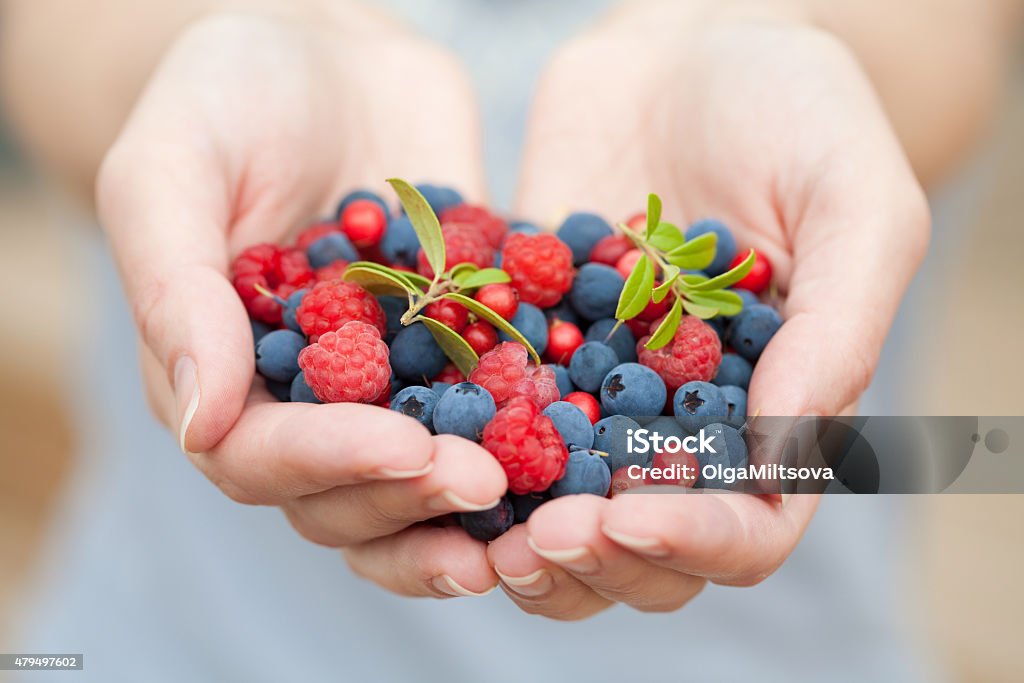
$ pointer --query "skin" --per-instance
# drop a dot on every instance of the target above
(790, 121)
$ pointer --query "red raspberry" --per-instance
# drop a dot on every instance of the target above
(348, 366)
(693, 354)
(759, 277)
(452, 314)
(563, 340)
(331, 304)
(450, 374)
(314, 232)
(500, 298)
(481, 336)
(506, 372)
(493, 227)
(274, 268)
(364, 222)
(332, 271)
(585, 402)
(462, 244)
(627, 262)
(609, 249)
(540, 267)
(527, 445)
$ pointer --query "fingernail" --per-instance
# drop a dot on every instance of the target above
(449, 586)
(580, 560)
(447, 501)
(530, 586)
(390, 473)
(651, 547)
(186, 396)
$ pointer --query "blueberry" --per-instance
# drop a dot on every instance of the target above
(697, 404)
(277, 355)
(288, 310)
(563, 311)
(565, 385)
(259, 330)
(400, 245)
(487, 525)
(440, 387)
(590, 363)
(532, 324)
(735, 370)
(415, 355)
(581, 231)
(394, 308)
(622, 342)
(595, 292)
(396, 384)
(634, 390)
(418, 403)
(611, 436)
(718, 324)
(331, 248)
(584, 473)
(572, 424)
(360, 194)
(282, 391)
(439, 197)
(498, 259)
(747, 297)
(736, 405)
(524, 227)
(464, 410)
(525, 504)
(730, 451)
(300, 392)
(726, 249)
(752, 329)
(664, 426)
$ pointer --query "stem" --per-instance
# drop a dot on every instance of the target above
(437, 290)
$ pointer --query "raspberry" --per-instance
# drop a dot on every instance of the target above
(492, 227)
(331, 304)
(540, 267)
(450, 375)
(693, 354)
(506, 372)
(334, 271)
(314, 232)
(274, 268)
(462, 244)
(527, 445)
(450, 313)
(349, 365)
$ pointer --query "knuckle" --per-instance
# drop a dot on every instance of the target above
(311, 528)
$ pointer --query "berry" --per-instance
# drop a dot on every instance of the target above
(527, 446)
(331, 248)
(481, 336)
(752, 329)
(289, 309)
(506, 372)
(462, 244)
(525, 504)
(622, 482)
(394, 308)
(494, 228)
(590, 364)
(307, 237)
(415, 355)
(595, 293)
(698, 404)
(280, 271)
(418, 403)
(329, 305)
(727, 440)
(611, 436)
(532, 324)
(440, 197)
(634, 390)
(759, 277)
(585, 402)
(671, 472)
(349, 365)
(540, 267)
(627, 262)
(487, 525)
(440, 387)
(584, 473)
(693, 354)
(332, 271)
(733, 370)
(563, 341)
(500, 298)
(610, 249)
(749, 298)
(524, 227)
(574, 426)
(450, 373)
(281, 391)
(653, 311)
(300, 392)
(725, 249)
(277, 355)
(564, 312)
(400, 244)
(358, 195)
(364, 222)
(259, 330)
(637, 222)
(736, 405)
(449, 313)
(622, 341)
(565, 385)
(582, 231)
(464, 410)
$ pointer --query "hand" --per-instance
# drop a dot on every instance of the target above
(774, 128)
(252, 126)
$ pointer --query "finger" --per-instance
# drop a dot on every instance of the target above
(538, 586)
(464, 478)
(425, 561)
(729, 538)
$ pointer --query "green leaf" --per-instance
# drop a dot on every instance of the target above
(730, 278)
(666, 237)
(451, 342)
(479, 278)
(667, 329)
(696, 253)
(702, 312)
(636, 293)
(414, 280)
(461, 270)
(653, 213)
(378, 281)
(493, 318)
(725, 302)
(669, 278)
(424, 222)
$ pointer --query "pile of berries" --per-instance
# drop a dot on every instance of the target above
(557, 428)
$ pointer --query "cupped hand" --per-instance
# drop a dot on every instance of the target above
(252, 126)
(774, 128)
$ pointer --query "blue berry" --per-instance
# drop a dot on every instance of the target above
(441, 387)
(564, 312)
(282, 391)
(396, 384)
(400, 245)
(623, 342)
(532, 324)
(525, 504)
(581, 231)
(288, 310)
(747, 297)
(415, 355)
(736, 405)
(718, 324)
(595, 292)
(565, 385)
(730, 451)
(360, 194)
(634, 390)
(735, 370)
(571, 423)
(584, 473)
(394, 308)
(464, 410)
(418, 403)
(590, 363)
(439, 197)
(524, 227)
(726, 249)
(664, 426)
(611, 436)
(752, 329)
(697, 404)
(331, 248)
(487, 525)
(277, 355)
(299, 392)
(259, 330)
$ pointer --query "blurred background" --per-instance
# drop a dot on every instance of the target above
(968, 599)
